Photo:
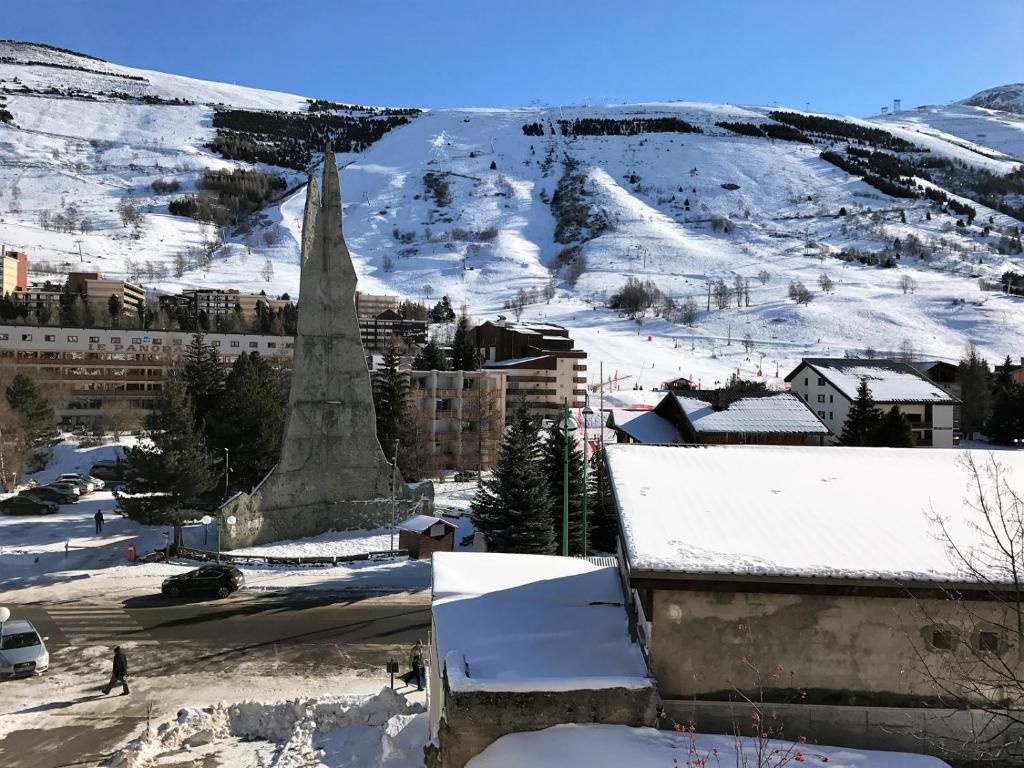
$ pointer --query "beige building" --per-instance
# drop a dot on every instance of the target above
(465, 415)
(371, 304)
(816, 580)
(98, 291)
(540, 362)
(13, 271)
(829, 387)
(217, 301)
(96, 366)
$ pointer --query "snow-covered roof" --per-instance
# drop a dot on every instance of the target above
(889, 381)
(420, 523)
(775, 413)
(645, 426)
(759, 510)
(508, 622)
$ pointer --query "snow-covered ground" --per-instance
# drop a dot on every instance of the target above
(612, 746)
(89, 153)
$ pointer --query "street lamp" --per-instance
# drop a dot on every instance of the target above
(394, 471)
(587, 413)
(5, 614)
(227, 469)
(230, 520)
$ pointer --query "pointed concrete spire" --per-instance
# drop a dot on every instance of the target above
(309, 217)
(334, 253)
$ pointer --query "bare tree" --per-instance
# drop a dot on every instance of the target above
(738, 289)
(907, 284)
(764, 276)
(799, 293)
(267, 273)
(748, 342)
(722, 294)
(689, 311)
(826, 283)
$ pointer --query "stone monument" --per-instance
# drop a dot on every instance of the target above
(332, 474)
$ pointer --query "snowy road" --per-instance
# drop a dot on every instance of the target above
(192, 652)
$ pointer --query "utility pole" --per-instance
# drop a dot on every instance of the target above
(394, 471)
(565, 477)
(587, 413)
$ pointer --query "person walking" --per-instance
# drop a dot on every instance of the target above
(119, 674)
(98, 517)
(416, 669)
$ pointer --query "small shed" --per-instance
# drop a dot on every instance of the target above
(423, 535)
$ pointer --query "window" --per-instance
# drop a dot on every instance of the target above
(831, 398)
(821, 381)
(807, 381)
(988, 642)
(94, 339)
(72, 339)
(253, 344)
(26, 337)
(115, 339)
(234, 343)
(289, 345)
(3, 337)
(272, 345)
(940, 639)
(49, 337)
(158, 341)
(821, 398)
(215, 343)
(821, 414)
(136, 340)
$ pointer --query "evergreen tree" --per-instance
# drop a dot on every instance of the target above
(975, 393)
(390, 401)
(415, 448)
(430, 358)
(172, 467)
(552, 463)
(602, 518)
(250, 420)
(464, 355)
(203, 377)
(34, 410)
(862, 419)
(442, 311)
(512, 508)
(1006, 422)
(114, 309)
(893, 431)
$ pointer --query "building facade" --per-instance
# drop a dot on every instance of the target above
(829, 387)
(378, 331)
(98, 290)
(371, 304)
(216, 302)
(92, 367)
(13, 271)
(540, 361)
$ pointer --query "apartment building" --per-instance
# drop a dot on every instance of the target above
(540, 363)
(829, 387)
(40, 299)
(378, 331)
(219, 301)
(95, 366)
(372, 304)
(13, 271)
(98, 290)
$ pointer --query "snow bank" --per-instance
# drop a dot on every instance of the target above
(379, 730)
(613, 746)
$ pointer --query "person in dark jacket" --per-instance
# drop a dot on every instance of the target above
(98, 517)
(119, 673)
(416, 671)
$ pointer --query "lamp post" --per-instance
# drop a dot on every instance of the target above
(587, 413)
(5, 614)
(227, 469)
(206, 520)
(394, 470)
(565, 477)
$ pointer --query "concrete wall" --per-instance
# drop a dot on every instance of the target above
(470, 721)
(850, 649)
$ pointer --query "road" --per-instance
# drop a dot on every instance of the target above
(249, 635)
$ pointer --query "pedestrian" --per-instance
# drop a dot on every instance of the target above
(119, 674)
(98, 517)
(416, 669)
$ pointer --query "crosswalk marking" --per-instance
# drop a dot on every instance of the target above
(85, 623)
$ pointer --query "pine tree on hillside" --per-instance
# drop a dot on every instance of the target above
(862, 419)
(1006, 423)
(552, 462)
(512, 508)
(390, 400)
(464, 355)
(250, 420)
(34, 410)
(603, 520)
(893, 431)
(203, 378)
(172, 467)
(430, 358)
(442, 311)
(975, 392)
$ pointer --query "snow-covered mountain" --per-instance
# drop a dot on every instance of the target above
(1008, 98)
(468, 203)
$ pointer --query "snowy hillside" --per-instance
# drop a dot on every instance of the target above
(427, 215)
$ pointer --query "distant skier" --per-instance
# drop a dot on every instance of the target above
(98, 517)
(119, 674)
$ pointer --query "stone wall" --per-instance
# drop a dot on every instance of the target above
(473, 720)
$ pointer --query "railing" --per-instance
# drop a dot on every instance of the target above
(227, 557)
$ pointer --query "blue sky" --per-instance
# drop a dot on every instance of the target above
(847, 57)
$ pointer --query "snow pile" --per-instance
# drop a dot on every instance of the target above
(799, 511)
(508, 622)
(380, 730)
(613, 746)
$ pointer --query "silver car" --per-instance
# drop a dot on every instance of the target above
(22, 651)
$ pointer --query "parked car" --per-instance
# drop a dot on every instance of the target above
(110, 470)
(219, 580)
(49, 493)
(22, 651)
(87, 484)
(24, 505)
(72, 488)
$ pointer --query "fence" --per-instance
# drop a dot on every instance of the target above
(226, 557)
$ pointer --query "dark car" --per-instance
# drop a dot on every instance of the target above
(219, 580)
(23, 505)
(110, 470)
(46, 493)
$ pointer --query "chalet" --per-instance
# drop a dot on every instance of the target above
(818, 580)
(423, 535)
(829, 387)
(525, 642)
(722, 416)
